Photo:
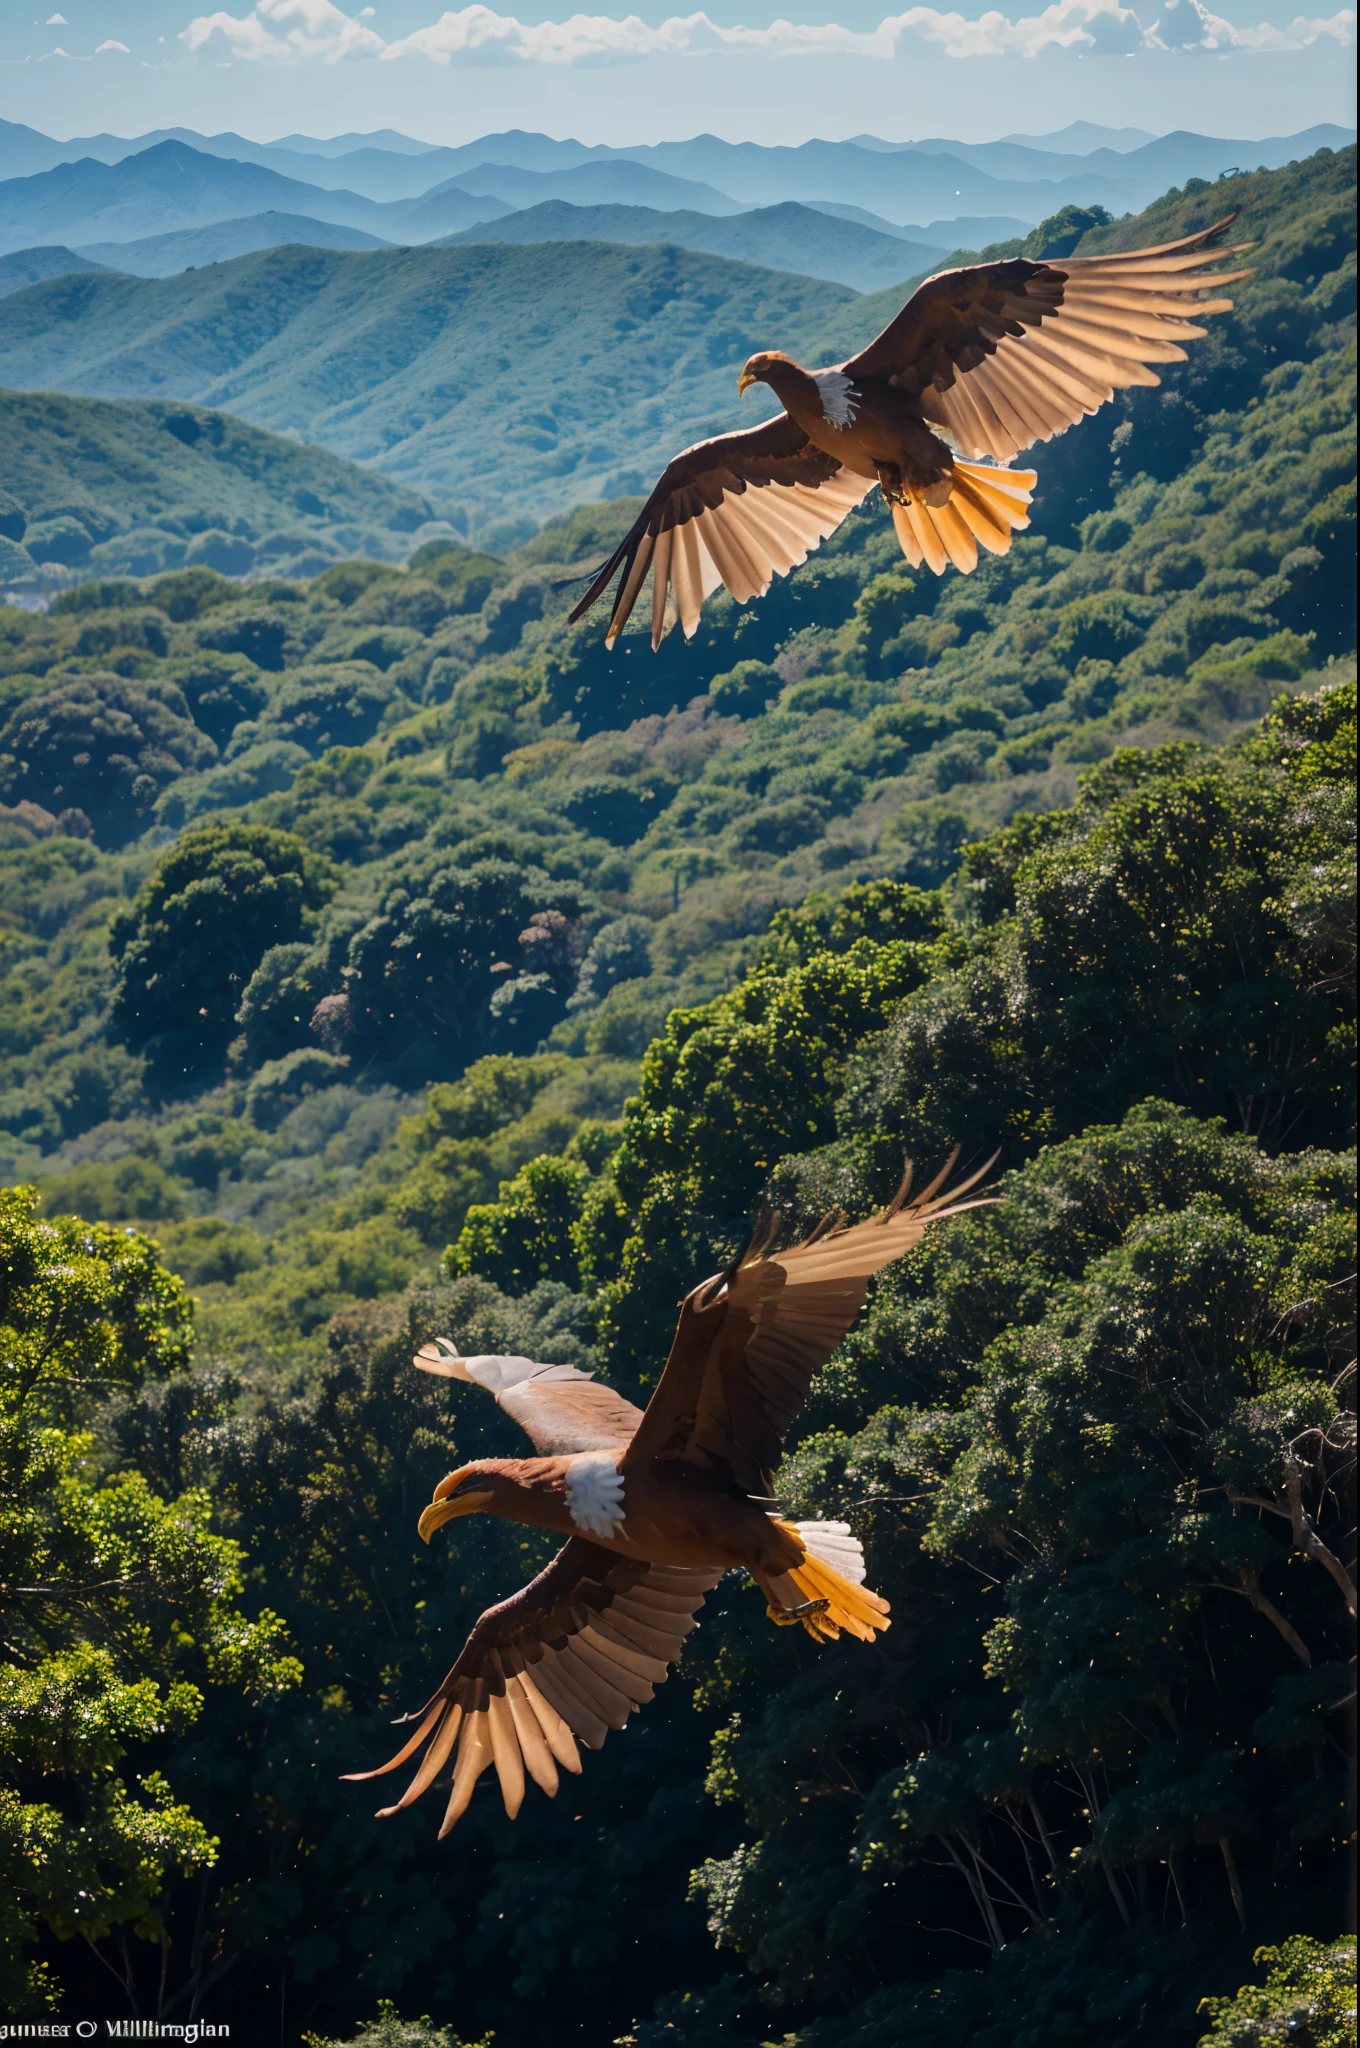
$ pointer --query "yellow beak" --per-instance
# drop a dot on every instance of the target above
(441, 1511)
(745, 381)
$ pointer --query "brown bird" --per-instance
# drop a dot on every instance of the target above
(980, 363)
(655, 1507)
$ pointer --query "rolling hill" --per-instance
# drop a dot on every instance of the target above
(474, 374)
(142, 485)
(220, 241)
(31, 266)
(789, 237)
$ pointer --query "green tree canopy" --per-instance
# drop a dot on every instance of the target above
(119, 1605)
(189, 944)
(99, 744)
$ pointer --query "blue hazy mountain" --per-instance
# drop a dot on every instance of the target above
(1080, 136)
(969, 231)
(788, 237)
(909, 184)
(32, 266)
(170, 187)
(618, 181)
(192, 248)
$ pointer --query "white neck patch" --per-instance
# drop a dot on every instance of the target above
(595, 1492)
(840, 400)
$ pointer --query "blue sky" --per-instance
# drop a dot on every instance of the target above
(746, 69)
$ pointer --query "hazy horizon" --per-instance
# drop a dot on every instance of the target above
(745, 72)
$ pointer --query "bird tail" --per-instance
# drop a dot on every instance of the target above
(830, 1580)
(984, 508)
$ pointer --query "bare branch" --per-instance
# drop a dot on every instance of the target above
(1250, 1590)
(1307, 1538)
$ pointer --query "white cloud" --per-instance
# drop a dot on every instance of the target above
(476, 33)
(1339, 26)
(306, 28)
(56, 21)
(120, 48)
(288, 30)
(1189, 25)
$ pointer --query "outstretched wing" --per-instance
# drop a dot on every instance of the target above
(1004, 354)
(738, 510)
(569, 1657)
(560, 1409)
(749, 1341)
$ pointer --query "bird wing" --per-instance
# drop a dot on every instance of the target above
(749, 1341)
(1004, 354)
(559, 1409)
(738, 510)
(568, 1657)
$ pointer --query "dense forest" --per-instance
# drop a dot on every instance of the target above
(383, 958)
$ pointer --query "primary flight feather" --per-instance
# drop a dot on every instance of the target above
(654, 1506)
(979, 364)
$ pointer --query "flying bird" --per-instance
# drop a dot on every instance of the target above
(979, 364)
(654, 1507)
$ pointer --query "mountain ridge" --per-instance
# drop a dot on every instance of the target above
(220, 241)
(908, 183)
(795, 238)
(171, 187)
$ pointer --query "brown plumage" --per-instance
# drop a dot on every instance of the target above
(979, 364)
(654, 1507)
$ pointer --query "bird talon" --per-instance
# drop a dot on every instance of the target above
(789, 1617)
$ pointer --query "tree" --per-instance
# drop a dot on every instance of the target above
(119, 1611)
(338, 705)
(528, 1233)
(101, 745)
(1095, 1687)
(197, 931)
(1308, 1997)
(422, 973)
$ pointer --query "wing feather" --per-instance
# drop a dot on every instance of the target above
(538, 1758)
(749, 1342)
(737, 511)
(560, 1409)
(563, 1661)
(1004, 354)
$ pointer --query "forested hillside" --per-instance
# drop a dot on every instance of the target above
(91, 488)
(383, 957)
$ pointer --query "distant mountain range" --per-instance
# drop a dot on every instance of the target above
(109, 188)
(791, 237)
(171, 187)
(861, 250)
(839, 243)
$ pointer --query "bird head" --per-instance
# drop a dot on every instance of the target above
(762, 369)
(471, 1490)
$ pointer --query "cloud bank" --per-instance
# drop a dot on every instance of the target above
(300, 31)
